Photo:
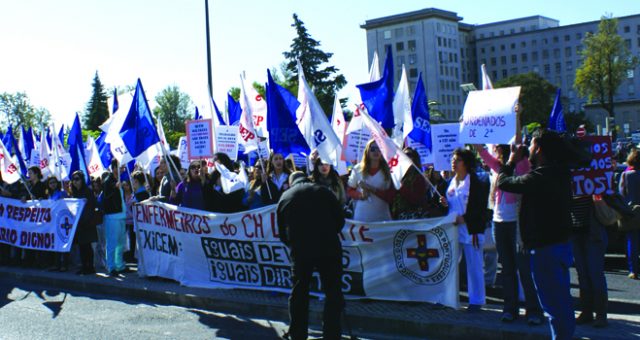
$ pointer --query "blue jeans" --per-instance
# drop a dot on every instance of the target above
(550, 270)
(633, 241)
(515, 262)
(588, 252)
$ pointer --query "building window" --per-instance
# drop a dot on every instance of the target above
(449, 42)
(513, 46)
(556, 53)
(446, 71)
(534, 56)
(631, 89)
(514, 58)
(482, 48)
(481, 35)
(558, 67)
(535, 69)
(569, 66)
(387, 34)
(523, 57)
(523, 44)
(504, 73)
(630, 74)
(534, 43)
(503, 60)
(412, 59)
(502, 47)
(547, 68)
(456, 69)
(401, 60)
(411, 45)
(545, 41)
(494, 74)
(387, 47)
(545, 54)
(501, 32)
(439, 41)
(400, 46)
(493, 48)
(411, 30)
(525, 69)
(627, 42)
(413, 72)
(442, 87)
(638, 42)
(444, 42)
(578, 36)
(398, 32)
(514, 71)
(627, 29)
(513, 30)
(440, 57)
(567, 37)
(567, 52)
(555, 39)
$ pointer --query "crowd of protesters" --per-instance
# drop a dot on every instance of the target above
(518, 199)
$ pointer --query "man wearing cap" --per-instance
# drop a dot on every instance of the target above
(309, 220)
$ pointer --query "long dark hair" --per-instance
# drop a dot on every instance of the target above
(83, 191)
(316, 176)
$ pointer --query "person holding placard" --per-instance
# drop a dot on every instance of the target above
(370, 186)
(467, 198)
(544, 223)
(514, 259)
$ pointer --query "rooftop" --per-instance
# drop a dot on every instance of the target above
(409, 16)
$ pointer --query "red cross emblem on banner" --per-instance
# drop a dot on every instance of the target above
(422, 253)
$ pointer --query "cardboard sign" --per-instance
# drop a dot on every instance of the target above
(426, 156)
(596, 179)
(444, 139)
(199, 139)
(489, 117)
(227, 140)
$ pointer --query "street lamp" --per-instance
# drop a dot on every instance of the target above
(206, 10)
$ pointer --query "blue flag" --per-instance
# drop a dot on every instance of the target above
(138, 130)
(76, 149)
(377, 96)
(29, 145)
(197, 115)
(421, 132)
(234, 110)
(284, 135)
(115, 101)
(218, 114)
(48, 136)
(7, 139)
(61, 135)
(104, 150)
(556, 119)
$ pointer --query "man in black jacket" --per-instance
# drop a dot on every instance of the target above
(309, 220)
(544, 224)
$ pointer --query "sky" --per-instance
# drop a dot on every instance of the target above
(52, 49)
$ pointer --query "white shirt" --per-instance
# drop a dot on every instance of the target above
(372, 209)
(458, 198)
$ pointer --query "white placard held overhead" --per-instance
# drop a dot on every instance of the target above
(444, 139)
(199, 139)
(227, 140)
(489, 117)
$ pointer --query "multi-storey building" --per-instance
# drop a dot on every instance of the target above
(449, 52)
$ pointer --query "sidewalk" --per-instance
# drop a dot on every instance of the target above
(365, 316)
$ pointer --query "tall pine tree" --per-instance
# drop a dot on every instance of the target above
(325, 79)
(97, 110)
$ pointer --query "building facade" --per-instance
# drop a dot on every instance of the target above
(449, 53)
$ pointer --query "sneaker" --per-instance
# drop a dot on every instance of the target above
(507, 317)
(633, 276)
(600, 321)
(584, 318)
(474, 308)
(534, 320)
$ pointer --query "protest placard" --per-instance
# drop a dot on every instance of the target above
(199, 139)
(489, 117)
(227, 140)
(444, 139)
(597, 178)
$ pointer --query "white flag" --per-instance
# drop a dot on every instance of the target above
(9, 168)
(44, 155)
(402, 110)
(247, 131)
(339, 125)
(91, 154)
(486, 81)
(229, 180)
(163, 139)
(356, 137)
(313, 123)
(399, 163)
(59, 159)
(374, 70)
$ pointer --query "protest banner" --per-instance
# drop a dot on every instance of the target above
(426, 156)
(227, 140)
(199, 139)
(40, 225)
(400, 260)
(489, 117)
(597, 179)
(444, 139)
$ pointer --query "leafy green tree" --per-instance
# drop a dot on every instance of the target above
(173, 137)
(536, 97)
(97, 111)
(325, 79)
(173, 108)
(16, 110)
(606, 63)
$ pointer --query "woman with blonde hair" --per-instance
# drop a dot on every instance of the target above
(370, 186)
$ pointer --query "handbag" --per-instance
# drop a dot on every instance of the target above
(632, 222)
(604, 213)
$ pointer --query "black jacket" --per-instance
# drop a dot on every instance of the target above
(477, 214)
(309, 220)
(546, 196)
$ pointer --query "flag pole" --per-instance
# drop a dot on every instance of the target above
(427, 179)
(24, 182)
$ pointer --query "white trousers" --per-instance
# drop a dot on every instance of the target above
(475, 274)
